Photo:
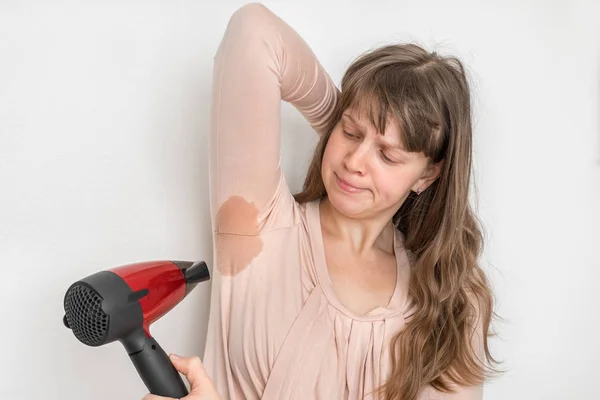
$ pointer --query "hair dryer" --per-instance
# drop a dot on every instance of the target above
(121, 303)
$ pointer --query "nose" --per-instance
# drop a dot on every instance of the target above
(356, 159)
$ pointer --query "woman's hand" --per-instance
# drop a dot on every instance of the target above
(202, 387)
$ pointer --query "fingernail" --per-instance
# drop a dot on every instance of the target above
(175, 357)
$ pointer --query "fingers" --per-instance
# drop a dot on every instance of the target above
(194, 372)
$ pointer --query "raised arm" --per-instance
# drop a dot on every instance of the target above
(260, 61)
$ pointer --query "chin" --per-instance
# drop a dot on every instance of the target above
(348, 206)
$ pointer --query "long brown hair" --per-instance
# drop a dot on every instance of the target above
(429, 96)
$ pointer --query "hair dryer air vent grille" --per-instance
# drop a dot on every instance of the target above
(84, 315)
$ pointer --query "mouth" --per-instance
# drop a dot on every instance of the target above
(345, 186)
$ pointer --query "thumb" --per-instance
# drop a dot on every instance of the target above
(194, 372)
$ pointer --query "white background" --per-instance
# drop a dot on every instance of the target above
(104, 111)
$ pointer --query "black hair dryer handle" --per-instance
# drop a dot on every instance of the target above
(156, 370)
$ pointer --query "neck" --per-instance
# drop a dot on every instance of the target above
(364, 235)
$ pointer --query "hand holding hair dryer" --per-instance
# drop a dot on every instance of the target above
(121, 303)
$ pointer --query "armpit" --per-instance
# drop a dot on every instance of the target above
(237, 236)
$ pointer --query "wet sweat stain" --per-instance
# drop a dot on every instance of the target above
(237, 239)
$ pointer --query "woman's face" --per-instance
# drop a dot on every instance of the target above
(366, 173)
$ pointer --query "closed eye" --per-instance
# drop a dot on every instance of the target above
(386, 158)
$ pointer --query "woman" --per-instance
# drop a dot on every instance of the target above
(365, 284)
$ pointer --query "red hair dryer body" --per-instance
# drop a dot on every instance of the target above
(121, 304)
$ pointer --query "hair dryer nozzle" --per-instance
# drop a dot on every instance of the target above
(193, 273)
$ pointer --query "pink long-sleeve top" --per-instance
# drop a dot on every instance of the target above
(276, 329)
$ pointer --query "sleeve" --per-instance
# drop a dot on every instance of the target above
(260, 61)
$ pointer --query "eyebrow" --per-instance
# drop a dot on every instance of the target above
(351, 118)
(394, 147)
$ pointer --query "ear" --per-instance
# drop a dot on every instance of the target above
(431, 173)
